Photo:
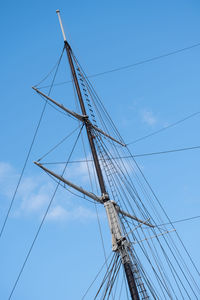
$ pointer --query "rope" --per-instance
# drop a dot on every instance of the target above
(42, 222)
(48, 74)
(164, 128)
(154, 58)
(95, 278)
(128, 156)
(58, 144)
(159, 203)
(29, 151)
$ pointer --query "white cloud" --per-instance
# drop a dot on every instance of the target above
(79, 171)
(148, 118)
(34, 195)
(57, 213)
(35, 192)
(5, 169)
(8, 179)
(80, 213)
(133, 105)
(83, 213)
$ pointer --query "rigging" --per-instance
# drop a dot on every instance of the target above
(29, 152)
(42, 221)
(154, 58)
(153, 267)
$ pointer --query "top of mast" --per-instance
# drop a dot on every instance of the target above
(86, 121)
(61, 25)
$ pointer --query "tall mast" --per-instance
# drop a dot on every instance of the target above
(119, 242)
(87, 124)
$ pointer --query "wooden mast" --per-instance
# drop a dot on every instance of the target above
(120, 244)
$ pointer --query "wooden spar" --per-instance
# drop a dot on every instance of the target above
(82, 118)
(69, 183)
(89, 194)
(72, 113)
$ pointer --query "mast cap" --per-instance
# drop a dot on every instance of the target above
(61, 25)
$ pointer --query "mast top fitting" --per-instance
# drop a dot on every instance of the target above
(61, 25)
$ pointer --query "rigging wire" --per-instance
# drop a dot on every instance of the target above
(146, 60)
(90, 179)
(109, 278)
(22, 172)
(173, 270)
(42, 222)
(94, 96)
(147, 154)
(134, 213)
(114, 277)
(154, 58)
(116, 286)
(29, 151)
(55, 108)
(73, 193)
(164, 128)
(120, 291)
(184, 276)
(181, 220)
(58, 144)
(159, 203)
(129, 151)
(127, 156)
(48, 74)
(114, 70)
(165, 152)
(98, 273)
(159, 131)
(119, 184)
(176, 221)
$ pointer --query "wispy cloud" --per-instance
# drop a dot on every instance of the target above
(35, 193)
(79, 171)
(59, 213)
(148, 117)
(8, 179)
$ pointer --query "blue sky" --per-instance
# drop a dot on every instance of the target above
(104, 35)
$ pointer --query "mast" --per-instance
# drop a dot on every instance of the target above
(87, 124)
(119, 242)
